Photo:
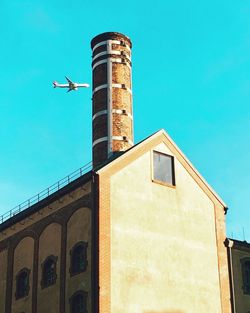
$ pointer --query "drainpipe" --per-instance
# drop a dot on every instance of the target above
(229, 244)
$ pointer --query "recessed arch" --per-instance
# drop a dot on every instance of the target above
(73, 212)
(27, 234)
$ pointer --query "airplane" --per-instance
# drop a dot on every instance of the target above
(71, 85)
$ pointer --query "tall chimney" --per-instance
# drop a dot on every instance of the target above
(112, 96)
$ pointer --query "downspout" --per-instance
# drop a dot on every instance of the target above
(229, 244)
(95, 242)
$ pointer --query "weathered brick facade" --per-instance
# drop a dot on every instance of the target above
(112, 96)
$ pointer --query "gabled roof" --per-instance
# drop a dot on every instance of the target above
(148, 144)
(119, 162)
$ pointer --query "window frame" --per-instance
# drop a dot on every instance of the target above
(54, 260)
(26, 291)
(245, 286)
(75, 294)
(72, 270)
(173, 185)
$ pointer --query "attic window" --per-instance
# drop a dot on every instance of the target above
(163, 168)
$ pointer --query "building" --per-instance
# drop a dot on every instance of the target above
(142, 232)
(239, 269)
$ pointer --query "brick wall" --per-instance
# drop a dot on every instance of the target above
(112, 96)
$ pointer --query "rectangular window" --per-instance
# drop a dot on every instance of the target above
(245, 264)
(163, 168)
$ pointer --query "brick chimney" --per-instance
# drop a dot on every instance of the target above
(112, 114)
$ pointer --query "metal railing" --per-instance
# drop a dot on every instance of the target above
(46, 192)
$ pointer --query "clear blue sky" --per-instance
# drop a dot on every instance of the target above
(191, 76)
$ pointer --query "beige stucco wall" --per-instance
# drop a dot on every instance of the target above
(3, 274)
(78, 229)
(49, 244)
(163, 243)
(23, 258)
(242, 300)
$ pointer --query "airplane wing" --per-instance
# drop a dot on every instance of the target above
(69, 81)
(69, 90)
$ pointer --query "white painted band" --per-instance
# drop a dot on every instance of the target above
(99, 140)
(113, 60)
(119, 138)
(122, 138)
(99, 114)
(100, 87)
(115, 42)
(119, 111)
(121, 86)
(111, 52)
(99, 55)
(119, 60)
(99, 63)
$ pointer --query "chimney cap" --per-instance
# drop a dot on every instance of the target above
(110, 36)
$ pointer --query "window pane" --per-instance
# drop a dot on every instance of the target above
(247, 272)
(246, 275)
(22, 284)
(79, 304)
(79, 258)
(49, 274)
(163, 168)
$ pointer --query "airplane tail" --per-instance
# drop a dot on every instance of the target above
(55, 84)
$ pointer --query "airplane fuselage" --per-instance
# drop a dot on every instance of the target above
(71, 85)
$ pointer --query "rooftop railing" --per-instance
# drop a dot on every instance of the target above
(46, 192)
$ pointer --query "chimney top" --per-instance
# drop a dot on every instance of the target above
(110, 36)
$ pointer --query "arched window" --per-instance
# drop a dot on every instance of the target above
(22, 283)
(78, 302)
(79, 260)
(245, 263)
(49, 272)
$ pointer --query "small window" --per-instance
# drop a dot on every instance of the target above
(163, 168)
(49, 272)
(22, 283)
(245, 264)
(79, 260)
(78, 302)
